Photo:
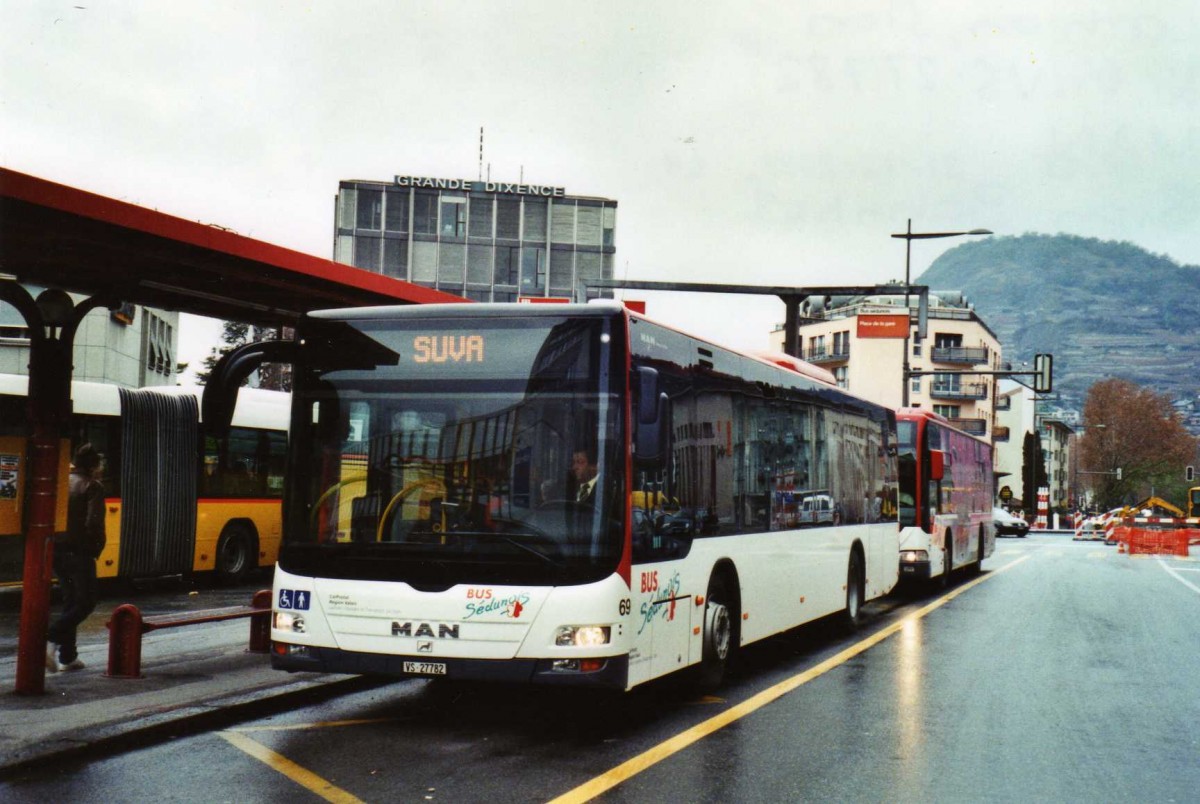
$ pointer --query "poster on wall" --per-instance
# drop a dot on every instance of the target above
(10, 468)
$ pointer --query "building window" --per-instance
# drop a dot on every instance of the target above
(395, 258)
(560, 272)
(157, 335)
(396, 211)
(454, 216)
(562, 222)
(914, 385)
(481, 218)
(366, 253)
(610, 223)
(944, 341)
(479, 265)
(451, 259)
(424, 262)
(425, 214)
(508, 219)
(533, 271)
(588, 223)
(949, 411)
(534, 221)
(588, 267)
(370, 210)
(916, 348)
(508, 265)
(839, 374)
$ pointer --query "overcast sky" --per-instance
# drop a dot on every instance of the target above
(763, 143)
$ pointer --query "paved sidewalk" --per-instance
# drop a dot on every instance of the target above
(194, 677)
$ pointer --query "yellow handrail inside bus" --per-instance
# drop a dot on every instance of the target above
(436, 485)
(335, 488)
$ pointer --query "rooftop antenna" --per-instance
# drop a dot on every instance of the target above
(481, 154)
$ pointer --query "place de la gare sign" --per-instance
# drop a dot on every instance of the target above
(467, 186)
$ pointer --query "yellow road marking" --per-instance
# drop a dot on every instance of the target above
(630, 768)
(301, 776)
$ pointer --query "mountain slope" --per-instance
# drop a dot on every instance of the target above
(1102, 308)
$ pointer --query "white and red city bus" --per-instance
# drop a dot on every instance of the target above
(945, 497)
(565, 494)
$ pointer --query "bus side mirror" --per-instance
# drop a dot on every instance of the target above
(221, 390)
(653, 419)
(937, 464)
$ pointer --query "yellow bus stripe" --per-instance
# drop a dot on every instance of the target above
(630, 768)
(301, 776)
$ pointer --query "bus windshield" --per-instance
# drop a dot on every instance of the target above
(457, 450)
(906, 434)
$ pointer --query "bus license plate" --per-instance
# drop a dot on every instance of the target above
(425, 668)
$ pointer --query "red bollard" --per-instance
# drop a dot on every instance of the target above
(125, 642)
(260, 623)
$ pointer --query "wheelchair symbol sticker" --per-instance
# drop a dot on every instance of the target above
(296, 599)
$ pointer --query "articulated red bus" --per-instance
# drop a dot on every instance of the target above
(945, 497)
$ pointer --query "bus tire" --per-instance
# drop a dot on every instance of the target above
(977, 567)
(851, 616)
(235, 553)
(942, 581)
(719, 634)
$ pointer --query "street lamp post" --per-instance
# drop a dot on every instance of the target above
(908, 237)
(1078, 459)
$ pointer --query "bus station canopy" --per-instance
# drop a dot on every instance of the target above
(52, 235)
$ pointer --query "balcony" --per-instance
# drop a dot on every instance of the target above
(976, 427)
(969, 356)
(1000, 434)
(957, 390)
(827, 355)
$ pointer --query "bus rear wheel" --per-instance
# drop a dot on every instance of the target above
(235, 554)
(720, 616)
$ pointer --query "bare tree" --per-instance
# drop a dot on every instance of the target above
(1142, 435)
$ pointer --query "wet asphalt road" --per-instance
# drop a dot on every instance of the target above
(1067, 673)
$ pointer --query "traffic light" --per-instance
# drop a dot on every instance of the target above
(1043, 374)
(1190, 474)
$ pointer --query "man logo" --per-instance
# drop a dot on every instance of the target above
(425, 630)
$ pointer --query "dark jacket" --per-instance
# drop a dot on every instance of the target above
(85, 516)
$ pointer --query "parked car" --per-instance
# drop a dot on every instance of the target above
(1008, 524)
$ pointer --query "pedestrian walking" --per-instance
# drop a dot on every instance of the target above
(75, 554)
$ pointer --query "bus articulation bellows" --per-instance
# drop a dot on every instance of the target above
(177, 501)
(566, 494)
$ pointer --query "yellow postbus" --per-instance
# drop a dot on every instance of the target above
(177, 501)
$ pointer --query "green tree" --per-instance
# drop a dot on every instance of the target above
(1033, 472)
(272, 376)
(1133, 429)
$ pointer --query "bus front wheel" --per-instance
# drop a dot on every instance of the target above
(855, 594)
(720, 616)
(235, 554)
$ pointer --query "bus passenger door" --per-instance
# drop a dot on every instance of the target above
(664, 622)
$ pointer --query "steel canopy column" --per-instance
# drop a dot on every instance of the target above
(53, 319)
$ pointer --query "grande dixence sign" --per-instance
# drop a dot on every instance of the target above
(466, 185)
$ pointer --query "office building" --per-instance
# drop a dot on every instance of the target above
(485, 240)
(861, 341)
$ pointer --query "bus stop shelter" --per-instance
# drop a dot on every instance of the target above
(65, 240)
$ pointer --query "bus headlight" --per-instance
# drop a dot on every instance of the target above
(912, 556)
(582, 636)
(289, 621)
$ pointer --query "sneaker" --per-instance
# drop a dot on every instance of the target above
(74, 664)
(51, 657)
